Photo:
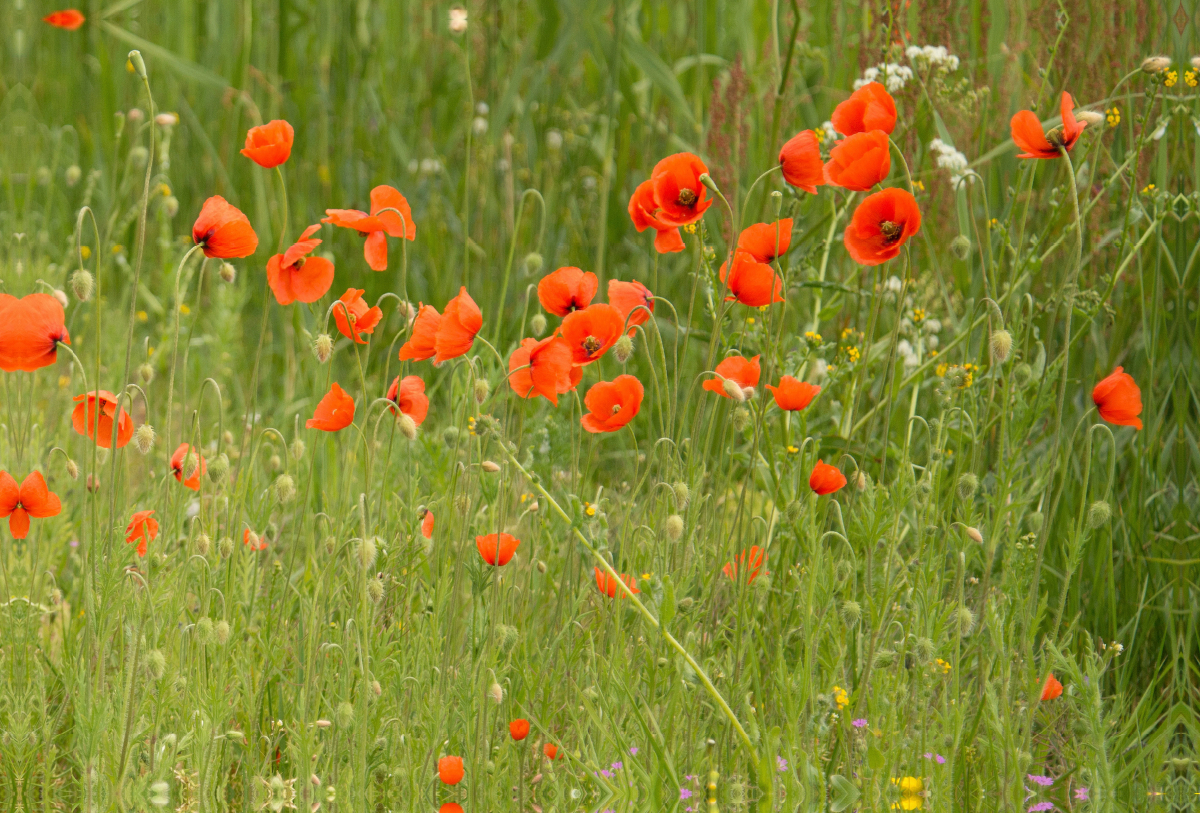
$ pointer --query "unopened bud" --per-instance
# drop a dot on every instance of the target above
(974, 535)
(93, 483)
(225, 547)
(481, 390)
(541, 566)
(495, 693)
(72, 469)
(204, 630)
(139, 65)
(191, 461)
(960, 247)
(966, 487)
(170, 205)
(749, 393)
(733, 389)
(450, 435)
(274, 462)
(843, 570)
(1099, 513)
(344, 714)
(860, 480)
(674, 527)
(851, 612)
(375, 590)
(408, 427)
(741, 418)
(156, 663)
(1022, 374)
(1001, 344)
(506, 637)
(364, 551)
(82, 284)
(533, 263)
(1155, 64)
(1034, 520)
(138, 157)
(221, 632)
(297, 449)
(228, 272)
(218, 469)
(73, 174)
(537, 325)
(203, 544)
(1092, 117)
(144, 438)
(966, 621)
(323, 347)
(462, 504)
(285, 488)
(925, 650)
(146, 372)
(61, 297)
(623, 349)
(489, 466)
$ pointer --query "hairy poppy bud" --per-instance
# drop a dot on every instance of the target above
(375, 590)
(533, 263)
(285, 488)
(297, 449)
(925, 650)
(93, 483)
(481, 390)
(489, 466)
(221, 632)
(170, 205)
(495, 693)
(974, 535)
(1092, 117)
(733, 390)
(674, 527)
(146, 372)
(344, 716)
(1022, 374)
(323, 347)
(851, 612)
(72, 469)
(967, 486)
(1099, 513)
(82, 284)
(506, 637)
(144, 438)
(138, 157)
(191, 462)
(228, 272)
(458, 20)
(408, 427)
(541, 566)
(73, 174)
(1001, 345)
(682, 494)
(843, 570)
(966, 620)
(537, 325)
(274, 462)
(960, 247)
(749, 393)
(1034, 520)
(218, 468)
(860, 480)
(462, 504)
(203, 544)
(623, 349)
(364, 551)
(156, 663)
(225, 547)
(741, 418)
(1155, 64)
(204, 630)
(450, 435)
(794, 510)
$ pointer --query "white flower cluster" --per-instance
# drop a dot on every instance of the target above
(950, 158)
(935, 56)
(831, 135)
(892, 76)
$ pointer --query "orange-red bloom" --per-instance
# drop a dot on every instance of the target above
(69, 19)
(543, 368)
(361, 319)
(422, 344)
(870, 107)
(740, 370)
(451, 807)
(633, 300)
(800, 159)
(642, 207)
(678, 191)
(881, 224)
(177, 461)
(859, 162)
(408, 394)
(757, 557)
(592, 331)
(567, 290)
(30, 329)
(293, 275)
(334, 412)
(253, 540)
(826, 479)
(31, 499)
(518, 729)
(377, 225)
(497, 549)
(270, 144)
(550, 750)
(1027, 131)
(450, 770)
(83, 419)
(143, 526)
(766, 241)
(612, 404)
(793, 395)
(608, 585)
(1052, 688)
(456, 331)
(1119, 399)
(223, 230)
(427, 524)
(752, 282)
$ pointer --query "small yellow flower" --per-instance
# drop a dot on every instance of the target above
(63, 381)
(690, 228)
(645, 577)
(1172, 78)
(812, 337)
(941, 369)
(793, 449)
(994, 222)
(829, 368)
(149, 351)
(184, 309)
(943, 664)
(848, 332)
(1190, 79)
(142, 316)
(1113, 116)
(750, 320)
(918, 315)
(164, 190)
(1148, 189)
(919, 186)
(820, 134)
(85, 251)
(589, 509)
(840, 697)
(853, 354)
(118, 248)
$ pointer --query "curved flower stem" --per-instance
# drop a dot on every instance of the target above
(467, 164)
(175, 346)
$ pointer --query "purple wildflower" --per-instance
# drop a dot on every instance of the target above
(633, 749)
(684, 793)
(606, 773)
(691, 777)
(928, 755)
(1081, 794)
(941, 760)
(781, 763)
(861, 722)
(1040, 806)
(1044, 781)
(616, 766)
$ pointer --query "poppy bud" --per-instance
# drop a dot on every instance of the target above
(364, 551)
(138, 157)
(681, 494)
(323, 347)
(506, 637)
(375, 590)
(1001, 345)
(1034, 520)
(749, 393)
(450, 435)
(156, 664)
(537, 324)
(860, 480)
(733, 389)
(1155, 64)
(541, 566)
(481, 390)
(533, 263)
(204, 630)
(297, 449)
(925, 650)
(495, 693)
(146, 372)
(1092, 117)
(139, 65)
(228, 272)
(221, 632)
(960, 247)
(1099, 513)
(203, 544)
(843, 570)
(793, 511)
(377, 690)
(489, 466)
(623, 349)
(225, 547)
(974, 535)
(73, 174)
(93, 483)
(851, 612)
(72, 469)
(967, 485)
(1022, 374)
(533, 507)
(674, 527)
(274, 462)
(171, 205)
(144, 438)
(191, 462)
(285, 488)
(82, 284)
(966, 620)
(344, 716)
(218, 468)
(408, 427)
(462, 503)
(741, 418)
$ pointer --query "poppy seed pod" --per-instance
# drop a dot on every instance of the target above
(960, 247)
(966, 620)
(219, 468)
(204, 630)
(364, 551)
(344, 715)
(144, 439)
(682, 494)
(623, 349)
(285, 488)
(323, 347)
(733, 389)
(1001, 345)
(1155, 64)
(495, 693)
(974, 535)
(375, 590)
(967, 485)
(1099, 513)
(82, 284)
(203, 544)
(228, 272)
(225, 547)
(851, 612)
(221, 631)
(537, 324)
(674, 527)
(408, 427)
(72, 469)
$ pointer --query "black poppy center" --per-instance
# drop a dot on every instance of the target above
(592, 345)
(891, 230)
(686, 197)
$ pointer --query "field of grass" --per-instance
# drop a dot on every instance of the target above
(313, 625)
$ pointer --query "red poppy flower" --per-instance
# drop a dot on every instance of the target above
(800, 159)
(1027, 131)
(497, 549)
(592, 331)
(177, 461)
(881, 224)
(83, 419)
(456, 331)
(870, 107)
(427, 524)
(678, 190)
(377, 225)
(1118, 399)
(543, 368)
(362, 319)
(30, 329)
(142, 526)
(294, 276)
(793, 395)
(69, 19)
(253, 540)
(223, 230)
(757, 557)
(752, 282)
(550, 750)
(633, 300)
(1052, 688)
(766, 241)
(567, 290)
(518, 729)
(31, 499)
(738, 370)
(450, 770)
(612, 404)
(608, 585)
(334, 412)
(859, 162)
(409, 395)
(826, 479)
(270, 144)
(422, 343)
(451, 807)
(642, 207)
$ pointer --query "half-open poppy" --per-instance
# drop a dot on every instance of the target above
(592, 331)
(881, 225)
(31, 499)
(766, 241)
(1027, 131)
(30, 329)
(270, 144)
(294, 276)
(681, 196)
(633, 300)
(551, 750)
(422, 344)
(83, 419)
(223, 231)
(518, 729)
(612, 404)
(859, 162)
(756, 555)
(567, 290)
(497, 549)
(377, 225)
(408, 394)
(450, 770)
(427, 524)
(1051, 689)
(793, 395)
(356, 318)
(143, 529)
(68, 19)
(752, 282)
(179, 458)
(254, 540)
(334, 412)
(1118, 399)
(608, 585)
(642, 207)
(826, 479)
(460, 321)
(736, 371)
(800, 160)
(543, 368)
(870, 107)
